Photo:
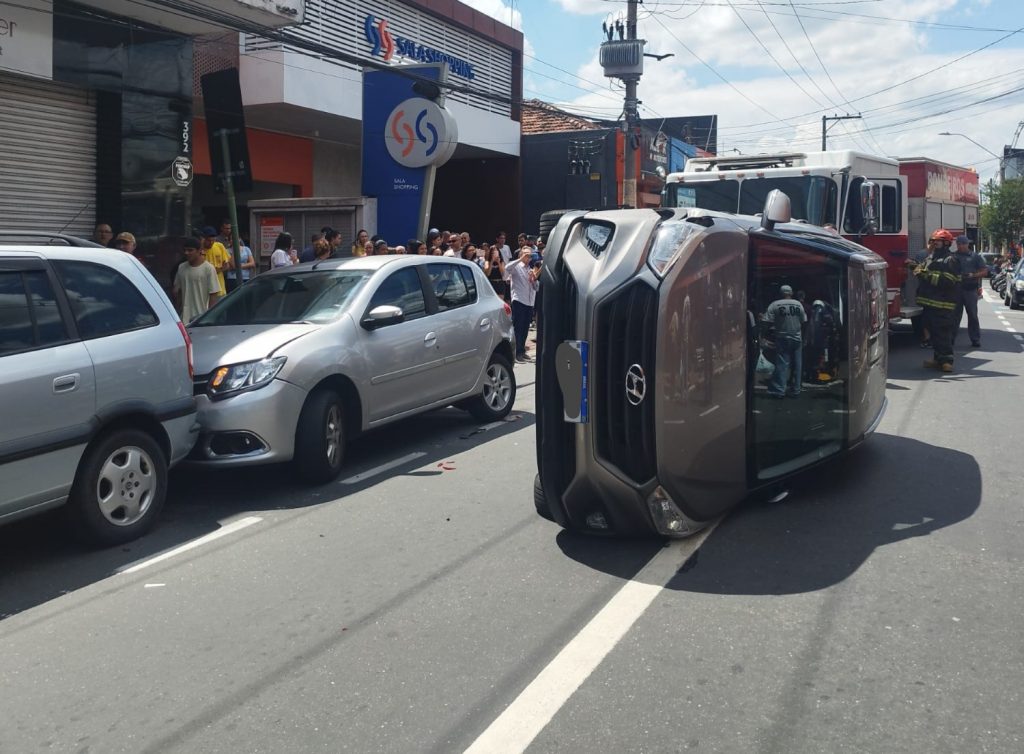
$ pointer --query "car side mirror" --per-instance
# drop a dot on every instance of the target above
(382, 316)
(868, 203)
(777, 209)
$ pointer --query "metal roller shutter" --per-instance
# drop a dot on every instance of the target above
(47, 157)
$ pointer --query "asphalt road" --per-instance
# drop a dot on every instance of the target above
(419, 605)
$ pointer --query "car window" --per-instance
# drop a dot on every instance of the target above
(103, 301)
(402, 289)
(304, 296)
(451, 286)
(29, 316)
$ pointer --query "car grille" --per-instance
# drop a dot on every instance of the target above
(625, 331)
(556, 447)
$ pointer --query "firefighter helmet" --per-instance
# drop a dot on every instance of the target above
(942, 235)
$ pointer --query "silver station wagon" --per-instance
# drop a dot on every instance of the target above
(303, 358)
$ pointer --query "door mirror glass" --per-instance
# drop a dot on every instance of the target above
(382, 316)
(868, 207)
(777, 209)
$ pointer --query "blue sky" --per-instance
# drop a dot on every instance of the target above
(770, 69)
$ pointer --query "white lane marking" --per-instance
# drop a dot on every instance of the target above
(231, 528)
(1010, 329)
(382, 468)
(516, 728)
(711, 410)
(152, 586)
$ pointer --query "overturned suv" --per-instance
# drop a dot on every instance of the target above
(669, 385)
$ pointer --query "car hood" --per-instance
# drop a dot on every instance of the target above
(216, 346)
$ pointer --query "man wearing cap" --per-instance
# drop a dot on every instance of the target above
(216, 255)
(972, 270)
(125, 241)
(788, 318)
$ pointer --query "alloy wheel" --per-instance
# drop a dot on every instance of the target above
(332, 434)
(497, 387)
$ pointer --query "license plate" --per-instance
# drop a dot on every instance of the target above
(571, 368)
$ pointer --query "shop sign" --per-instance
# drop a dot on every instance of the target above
(271, 226)
(387, 45)
(26, 37)
(419, 133)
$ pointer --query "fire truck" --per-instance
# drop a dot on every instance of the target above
(941, 196)
(823, 187)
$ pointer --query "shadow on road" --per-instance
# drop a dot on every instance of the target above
(39, 562)
(890, 490)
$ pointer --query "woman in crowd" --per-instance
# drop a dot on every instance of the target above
(284, 253)
(494, 269)
(359, 247)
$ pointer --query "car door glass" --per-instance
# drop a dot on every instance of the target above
(50, 328)
(15, 320)
(103, 300)
(450, 286)
(404, 290)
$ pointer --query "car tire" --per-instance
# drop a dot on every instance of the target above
(548, 221)
(540, 500)
(498, 395)
(320, 438)
(119, 489)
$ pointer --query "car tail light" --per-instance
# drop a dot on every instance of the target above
(508, 309)
(188, 349)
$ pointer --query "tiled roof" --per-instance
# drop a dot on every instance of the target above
(540, 118)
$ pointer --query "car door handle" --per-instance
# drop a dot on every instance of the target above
(485, 324)
(431, 340)
(66, 383)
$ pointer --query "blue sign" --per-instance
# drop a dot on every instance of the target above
(678, 151)
(386, 45)
(405, 138)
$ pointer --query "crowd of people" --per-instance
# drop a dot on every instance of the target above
(208, 270)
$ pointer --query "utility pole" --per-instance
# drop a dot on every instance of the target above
(632, 118)
(825, 127)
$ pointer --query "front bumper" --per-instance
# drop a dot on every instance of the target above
(250, 428)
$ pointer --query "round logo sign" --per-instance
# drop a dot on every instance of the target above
(181, 171)
(420, 133)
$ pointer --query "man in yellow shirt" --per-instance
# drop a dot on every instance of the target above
(216, 255)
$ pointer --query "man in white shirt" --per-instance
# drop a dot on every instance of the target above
(195, 285)
(506, 252)
(523, 284)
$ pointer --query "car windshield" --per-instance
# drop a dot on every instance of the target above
(306, 296)
(812, 198)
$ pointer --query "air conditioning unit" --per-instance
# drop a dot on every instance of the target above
(623, 57)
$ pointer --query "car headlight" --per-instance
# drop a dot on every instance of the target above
(249, 375)
(1019, 285)
(669, 240)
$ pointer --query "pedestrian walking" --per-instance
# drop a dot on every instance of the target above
(939, 289)
(788, 318)
(972, 270)
(216, 255)
(195, 284)
(523, 283)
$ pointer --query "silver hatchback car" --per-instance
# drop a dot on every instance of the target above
(303, 358)
(95, 388)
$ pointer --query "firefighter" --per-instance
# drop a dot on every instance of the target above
(938, 292)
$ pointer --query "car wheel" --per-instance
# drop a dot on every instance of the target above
(540, 501)
(320, 438)
(119, 489)
(499, 391)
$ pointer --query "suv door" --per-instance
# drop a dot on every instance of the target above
(403, 359)
(47, 389)
(464, 332)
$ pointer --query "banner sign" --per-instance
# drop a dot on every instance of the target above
(26, 37)
(407, 135)
(949, 184)
(387, 45)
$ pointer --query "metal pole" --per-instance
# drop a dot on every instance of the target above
(823, 133)
(629, 153)
(229, 190)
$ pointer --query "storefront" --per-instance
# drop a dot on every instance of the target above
(94, 111)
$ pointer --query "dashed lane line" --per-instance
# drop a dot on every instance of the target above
(369, 473)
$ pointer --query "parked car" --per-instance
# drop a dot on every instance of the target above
(1013, 286)
(303, 358)
(658, 405)
(95, 387)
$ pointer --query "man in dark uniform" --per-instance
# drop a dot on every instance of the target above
(972, 270)
(788, 319)
(938, 292)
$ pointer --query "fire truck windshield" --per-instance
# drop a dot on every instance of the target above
(813, 197)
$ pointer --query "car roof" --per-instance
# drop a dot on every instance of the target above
(369, 264)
